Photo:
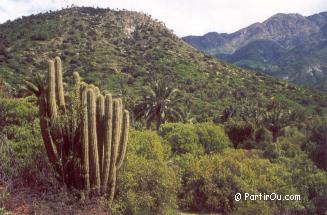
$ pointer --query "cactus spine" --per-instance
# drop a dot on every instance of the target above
(94, 132)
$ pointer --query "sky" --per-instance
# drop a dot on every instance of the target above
(184, 17)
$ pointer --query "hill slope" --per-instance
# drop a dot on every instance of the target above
(301, 47)
(119, 49)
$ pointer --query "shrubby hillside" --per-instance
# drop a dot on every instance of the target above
(122, 50)
(201, 130)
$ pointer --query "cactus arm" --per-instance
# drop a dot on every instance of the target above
(87, 144)
(114, 147)
(59, 84)
(93, 147)
(97, 91)
(100, 128)
(107, 141)
(46, 136)
(51, 91)
(124, 140)
(85, 140)
(76, 110)
(77, 85)
(32, 87)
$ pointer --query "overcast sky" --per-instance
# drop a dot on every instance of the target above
(185, 17)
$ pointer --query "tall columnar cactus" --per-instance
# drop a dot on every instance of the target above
(59, 84)
(85, 139)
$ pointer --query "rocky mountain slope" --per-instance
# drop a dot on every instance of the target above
(121, 50)
(288, 46)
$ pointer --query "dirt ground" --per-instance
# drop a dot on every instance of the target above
(26, 201)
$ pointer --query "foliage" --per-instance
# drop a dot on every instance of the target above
(317, 143)
(276, 117)
(210, 183)
(22, 161)
(255, 108)
(195, 138)
(147, 185)
(182, 138)
(149, 145)
(109, 51)
(212, 137)
(160, 103)
(239, 131)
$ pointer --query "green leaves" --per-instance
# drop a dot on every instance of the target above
(160, 103)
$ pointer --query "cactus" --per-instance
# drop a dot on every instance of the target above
(51, 91)
(85, 139)
(59, 84)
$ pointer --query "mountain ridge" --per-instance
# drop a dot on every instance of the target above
(290, 31)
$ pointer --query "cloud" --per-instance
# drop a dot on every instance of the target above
(185, 17)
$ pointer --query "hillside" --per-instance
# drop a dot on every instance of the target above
(119, 49)
(224, 130)
(300, 56)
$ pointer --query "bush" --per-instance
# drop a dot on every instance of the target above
(289, 145)
(319, 138)
(182, 138)
(211, 181)
(22, 160)
(239, 132)
(212, 137)
(263, 136)
(41, 36)
(148, 144)
(194, 138)
(146, 185)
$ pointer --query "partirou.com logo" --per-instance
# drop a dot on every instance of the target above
(266, 197)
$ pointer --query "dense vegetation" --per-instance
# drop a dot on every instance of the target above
(193, 167)
(230, 131)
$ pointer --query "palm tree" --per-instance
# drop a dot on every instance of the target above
(160, 103)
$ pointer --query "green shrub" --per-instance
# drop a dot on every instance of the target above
(289, 145)
(211, 181)
(17, 111)
(212, 137)
(148, 144)
(146, 184)
(319, 138)
(182, 138)
(22, 160)
(263, 136)
(271, 151)
(194, 138)
(239, 132)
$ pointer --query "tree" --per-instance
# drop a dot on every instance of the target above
(160, 103)
(276, 117)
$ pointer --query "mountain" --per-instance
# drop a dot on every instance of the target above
(288, 46)
(121, 50)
